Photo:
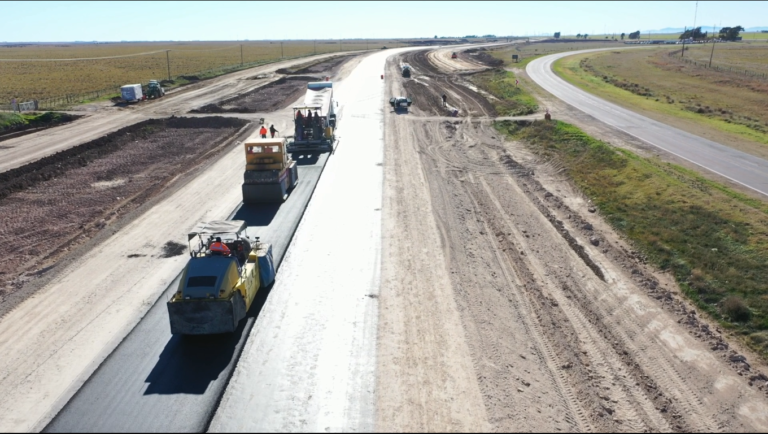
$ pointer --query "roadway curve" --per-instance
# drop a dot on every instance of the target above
(739, 167)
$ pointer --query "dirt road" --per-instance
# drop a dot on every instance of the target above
(506, 305)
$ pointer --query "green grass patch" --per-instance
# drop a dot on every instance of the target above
(18, 121)
(713, 240)
(512, 100)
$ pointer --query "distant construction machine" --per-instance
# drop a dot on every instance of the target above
(154, 90)
(406, 70)
(315, 120)
(454, 55)
(270, 172)
(219, 283)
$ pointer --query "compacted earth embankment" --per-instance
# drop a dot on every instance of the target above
(55, 204)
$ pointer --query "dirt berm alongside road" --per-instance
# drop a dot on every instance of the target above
(52, 205)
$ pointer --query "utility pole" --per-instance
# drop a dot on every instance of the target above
(682, 53)
(696, 11)
(315, 46)
(241, 54)
(168, 63)
(713, 46)
(281, 49)
(341, 44)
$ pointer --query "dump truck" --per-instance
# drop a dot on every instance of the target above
(131, 93)
(406, 70)
(270, 172)
(154, 90)
(217, 289)
(315, 120)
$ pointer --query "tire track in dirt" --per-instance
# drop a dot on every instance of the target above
(561, 338)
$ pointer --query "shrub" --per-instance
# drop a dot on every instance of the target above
(735, 308)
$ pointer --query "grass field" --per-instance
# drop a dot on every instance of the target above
(749, 36)
(32, 72)
(712, 239)
(729, 106)
(533, 50)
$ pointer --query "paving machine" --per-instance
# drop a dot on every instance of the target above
(154, 90)
(270, 172)
(217, 289)
(315, 120)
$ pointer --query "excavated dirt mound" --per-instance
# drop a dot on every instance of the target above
(481, 55)
(274, 96)
(54, 204)
(427, 85)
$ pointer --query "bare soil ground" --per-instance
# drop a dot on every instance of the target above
(280, 93)
(274, 96)
(50, 206)
(492, 259)
(428, 83)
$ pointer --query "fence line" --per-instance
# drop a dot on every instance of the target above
(722, 68)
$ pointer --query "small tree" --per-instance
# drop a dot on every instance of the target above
(730, 33)
(585, 35)
(578, 36)
(622, 36)
(635, 35)
(694, 34)
(557, 35)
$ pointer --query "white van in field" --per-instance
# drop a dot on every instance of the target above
(131, 93)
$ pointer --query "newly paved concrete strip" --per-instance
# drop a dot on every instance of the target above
(155, 381)
(309, 362)
(740, 167)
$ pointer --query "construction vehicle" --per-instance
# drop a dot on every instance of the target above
(270, 172)
(315, 133)
(154, 90)
(454, 55)
(406, 70)
(217, 289)
(400, 103)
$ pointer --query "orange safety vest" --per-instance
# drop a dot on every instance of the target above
(263, 131)
(220, 247)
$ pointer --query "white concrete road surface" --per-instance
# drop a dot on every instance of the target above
(309, 362)
(742, 168)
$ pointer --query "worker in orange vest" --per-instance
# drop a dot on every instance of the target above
(219, 248)
(263, 132)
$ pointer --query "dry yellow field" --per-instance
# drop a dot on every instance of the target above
(40, 72)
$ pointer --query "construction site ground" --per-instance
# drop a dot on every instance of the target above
(508, 304)
(441, 279)
(53, 205)
(277, 94)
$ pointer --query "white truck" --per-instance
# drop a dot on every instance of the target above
(131, 93)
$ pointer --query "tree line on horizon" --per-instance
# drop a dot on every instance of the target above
(726, 33)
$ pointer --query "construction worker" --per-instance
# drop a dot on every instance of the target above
(219, 248)
(445, 100)
(273, 130)
(299, 125)
(263, 132)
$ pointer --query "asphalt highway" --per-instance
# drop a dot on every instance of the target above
(740, 167)
(155, 381)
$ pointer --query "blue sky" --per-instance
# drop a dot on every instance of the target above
(202, 20)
